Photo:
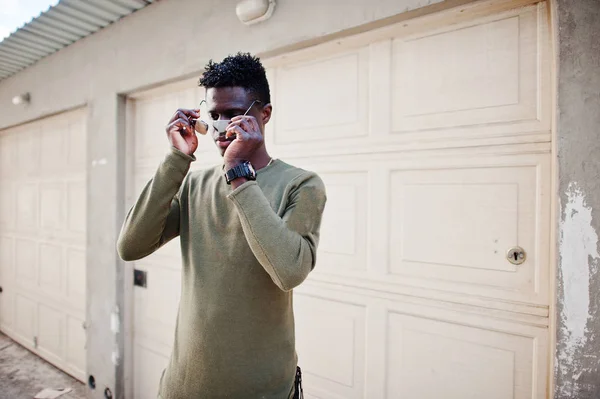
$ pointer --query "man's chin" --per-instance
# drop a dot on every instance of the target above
(222, 146)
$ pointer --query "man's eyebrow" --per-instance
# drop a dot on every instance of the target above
(226, 110)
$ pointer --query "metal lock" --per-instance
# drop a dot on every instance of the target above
(516, 255)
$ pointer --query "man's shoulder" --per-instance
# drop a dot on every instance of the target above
(297, 176)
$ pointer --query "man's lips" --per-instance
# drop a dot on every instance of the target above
(222, 138)
(222, 142)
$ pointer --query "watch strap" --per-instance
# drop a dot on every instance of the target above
(244, 169)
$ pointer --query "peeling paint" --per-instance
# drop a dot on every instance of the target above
(578, 249)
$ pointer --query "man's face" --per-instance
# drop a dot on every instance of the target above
(223, 103)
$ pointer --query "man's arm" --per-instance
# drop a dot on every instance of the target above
(154, 219)
(285, 246)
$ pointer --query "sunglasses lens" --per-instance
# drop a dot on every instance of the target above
(221, 125)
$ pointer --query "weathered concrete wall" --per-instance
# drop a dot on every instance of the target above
(577, 367)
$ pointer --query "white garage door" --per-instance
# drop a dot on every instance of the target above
(42, 238)
(433, 138)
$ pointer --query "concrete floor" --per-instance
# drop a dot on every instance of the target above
(23, 374)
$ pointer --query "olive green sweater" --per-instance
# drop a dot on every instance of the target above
(243, 252)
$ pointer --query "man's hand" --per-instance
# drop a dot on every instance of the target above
(181, 133)
(248, 138)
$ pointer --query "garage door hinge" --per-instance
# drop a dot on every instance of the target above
(35, 342)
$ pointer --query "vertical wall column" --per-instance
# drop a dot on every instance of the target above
(105, 272)
(577, 25)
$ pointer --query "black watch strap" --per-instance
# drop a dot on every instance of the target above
(244, 169)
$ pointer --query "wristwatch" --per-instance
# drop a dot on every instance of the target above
(245, 169)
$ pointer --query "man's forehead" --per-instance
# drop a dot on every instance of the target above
(226, 97)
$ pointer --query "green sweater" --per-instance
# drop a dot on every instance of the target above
(243, 252)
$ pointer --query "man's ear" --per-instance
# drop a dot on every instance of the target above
(266, 113)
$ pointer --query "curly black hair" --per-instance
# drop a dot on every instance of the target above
(241, 70)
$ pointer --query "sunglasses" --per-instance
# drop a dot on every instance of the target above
(220, 125)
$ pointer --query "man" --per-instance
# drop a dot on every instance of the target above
(247, 239)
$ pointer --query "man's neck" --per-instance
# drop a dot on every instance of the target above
(260, 159)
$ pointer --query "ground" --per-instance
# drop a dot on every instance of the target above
(23, 374)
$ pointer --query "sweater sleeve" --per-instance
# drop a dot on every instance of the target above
(154, 218)
(285, 246)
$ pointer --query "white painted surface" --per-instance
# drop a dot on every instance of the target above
(579, 252)
(412, 296)
(42, 238)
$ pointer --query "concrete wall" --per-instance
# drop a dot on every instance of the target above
(166, 41)
(577, 370)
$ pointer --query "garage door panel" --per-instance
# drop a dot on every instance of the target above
(466, 84)
(331, 344)
(433, 75)
(343, 241)
(416, 348)
(76, 207)
(7, 308)
(150, 114)
(51, 269)
(457, 224)
(431, 359)
(42, 220)
(51, 333)
(442, 223)
(149, 365)
(8, 155)
(465, 239)
(6, 258)
(27, 197)
(7, 278)
(25, 318)
(343, 105)
(7, 205)
(28, 151)
(52, 206)
(26, 262)
(157, 305)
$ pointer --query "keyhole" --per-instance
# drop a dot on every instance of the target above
(515, 255)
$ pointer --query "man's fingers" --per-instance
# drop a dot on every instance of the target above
(179, 115)
(178, 125)
(248, 123)
(185, 114)
(247, 119)
(235, 130)
(252, 120)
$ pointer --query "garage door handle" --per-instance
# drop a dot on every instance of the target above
(84, 325)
